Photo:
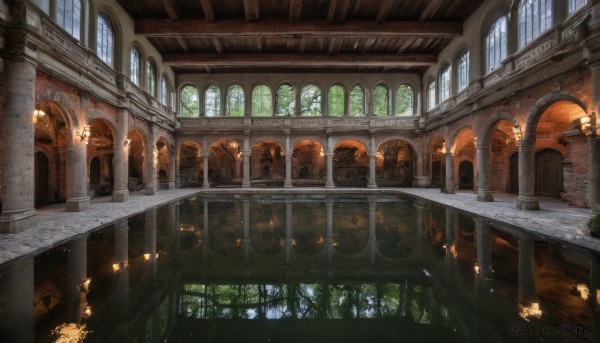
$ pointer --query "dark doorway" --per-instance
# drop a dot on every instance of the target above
(465, 172)
(41, 179)
(514, 173)
(549, 175)
(95, 173)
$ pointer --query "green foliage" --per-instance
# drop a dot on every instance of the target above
(190, 102)
(357, 101)
(235, 101)
(285, 101)
(336, 101)
(212, 101)
(405, 101)
(381, 100)
(310, 101)
(594, 226)
(261, 101)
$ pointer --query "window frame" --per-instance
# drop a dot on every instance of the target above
(105, 47)
(217, 100)
(412, 100)
(500, 48)
(77, 34)
(182, 102)
(462, 70)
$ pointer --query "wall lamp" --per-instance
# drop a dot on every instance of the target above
(85, 134)
(38, 114)
(517, 132)
(586, 125)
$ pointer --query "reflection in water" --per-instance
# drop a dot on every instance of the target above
(274, 268)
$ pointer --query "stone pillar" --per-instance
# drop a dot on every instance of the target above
(119, 299)
(174, 224)
(151, 162)
(121, 159)
(246, 241)
(421, 180)
(205, 157)
(76, 277)
(527, 295)
(205, 236)
(288, 161)
(172, 167)
(150, 239)
(329, 230)
(593, 142)
(372, 227)
(484, 248)
(372, 153)
(450, 216)
(17, 130)
(122, 243)
(419, 227)
(77, 199)
(526, 199)
(16, 302)
(329, 154)
(449, 184)
(484, 169)
(289, 237)
(246, 162)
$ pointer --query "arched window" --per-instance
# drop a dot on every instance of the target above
(212, 101)
(357, 101)
(310, 99)
(445, 83)
(150, 78)
(261, 101)
(235, 101)
(164, 90)
(574, 5)
(285, 100)
(535, 17)
(336, 101)
(496, 44)
(134, 66)
(405, 101)
(462, 70)
(68, 16)
(381, 100)
(190, 102)
(105, 40)
(431, 101)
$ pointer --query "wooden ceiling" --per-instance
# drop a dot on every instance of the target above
(216, 36)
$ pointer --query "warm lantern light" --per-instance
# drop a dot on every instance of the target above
(85, 134)
(517, 132)
(146, 257)
(127, 142)
(116, 267)
(584, 292)
(86, 284)
(88, 311)
(321, 153)
(443, 150)
(586, 125)
(531, 311)
(476, 268)
(38, 114)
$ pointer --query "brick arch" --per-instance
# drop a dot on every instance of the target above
(142, 134)
(484, 131)
(108, 120)
(295, 140)
(451, 143)
(534, 115)
(382, 141)
(52, 95)
(361, 140)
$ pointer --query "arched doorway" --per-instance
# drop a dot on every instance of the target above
(137, 154)
(465, 175)
(549, 173)
(350, 164)
(225, 163)
(41, 179)
(100, 148)
(437, 162)
(308, 164)
(465, 156)
(267, 164)
(162, 147)
(394, 164)
(191, 165)
(95, 173)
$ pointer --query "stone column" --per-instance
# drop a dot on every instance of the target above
(122, 243)
(246, 162)
(526, 199)
(372, 227)
(77, 199)
(150, 239)
(329, 230)
(288, 161)
(450, 215)
(329, 154)
(484, 248)
(527, 295)
(76, 277)
(173, 166)
(421, 180)
(593, 142)
(372, 153)
(174, 224)
(151, 162)
(205, 157)
(18, 186)
(121, 159)
(419, 227)
(289, 237)
(246, 241)
(16, 302)
(484, 168)
(449, 184)
(205, 236)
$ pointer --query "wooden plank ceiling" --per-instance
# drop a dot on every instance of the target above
(216, 36)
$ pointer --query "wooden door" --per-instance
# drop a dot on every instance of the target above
(548, 173)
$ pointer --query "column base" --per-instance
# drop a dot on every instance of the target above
(422, 181)
(77, 204)
(329, 185)
(120, 196)
(246, 185)
(151, 189)
(205, 185)
(485, 196)
(528, 204)
(372, 185)
(449, 190)
(17, 221)
(288, 185)
(172, 185)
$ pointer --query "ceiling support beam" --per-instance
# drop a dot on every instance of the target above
(384, 10)
(209, 13)
(295, 10)
(251, 9)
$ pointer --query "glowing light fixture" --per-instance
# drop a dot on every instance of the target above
(88, 311)
(586, 125)
(531, 311)
(38, 114)
(146, 257)
(127, 143)
(116, 267)
(517, 132)
(85, 134)
(476, 268)
(86, 284)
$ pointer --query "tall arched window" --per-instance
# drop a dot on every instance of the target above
(261, 101)
(164, 90)
(405, 101)
(190, 102)
(68, 16)
(336, 100)
(496, 44)
(310, 99)
(235, 101)
(285, 100)
(357, 101)
(134, 66)
(105, 40)
(535, 17)
(431, 100)
(381, 100)
(445, 83)
(212, 101)
(150, 78)
(574, 5)
(462, 70)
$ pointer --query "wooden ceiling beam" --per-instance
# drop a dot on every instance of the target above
(282, 60)
(295, 10)
(251, 9)
(217, 44)
(429, 11)
(209, 13)
(331, 12)
(277, 28)
(171, 9)
(384, 10)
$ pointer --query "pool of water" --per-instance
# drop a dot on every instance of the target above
(272, 268)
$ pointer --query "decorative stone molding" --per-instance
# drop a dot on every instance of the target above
(60, 41)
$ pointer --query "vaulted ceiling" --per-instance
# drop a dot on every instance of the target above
(212, 36)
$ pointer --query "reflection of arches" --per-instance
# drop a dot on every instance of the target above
(41, 179)
(465, 175)
(350, 163)
(549, 174)
(267, 164)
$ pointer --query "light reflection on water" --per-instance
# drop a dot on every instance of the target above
(273, 268)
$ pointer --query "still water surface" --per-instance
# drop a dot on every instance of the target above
(303, 269)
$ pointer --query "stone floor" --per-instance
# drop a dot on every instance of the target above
(55, 226)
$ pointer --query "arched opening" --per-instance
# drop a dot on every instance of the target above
(41, 179)
(137, 154)
(350, 227)
(394, 164)
(162, 147)
(465, 175)
(548, 173)
(100, 147)
(395, 239)
(437, 162)
(191, 165)
(267, 227)
(225, 234)
(350, 164)
(504, 173)
(308, 164)
(267, 164)
(225, 163)
(309, 224)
